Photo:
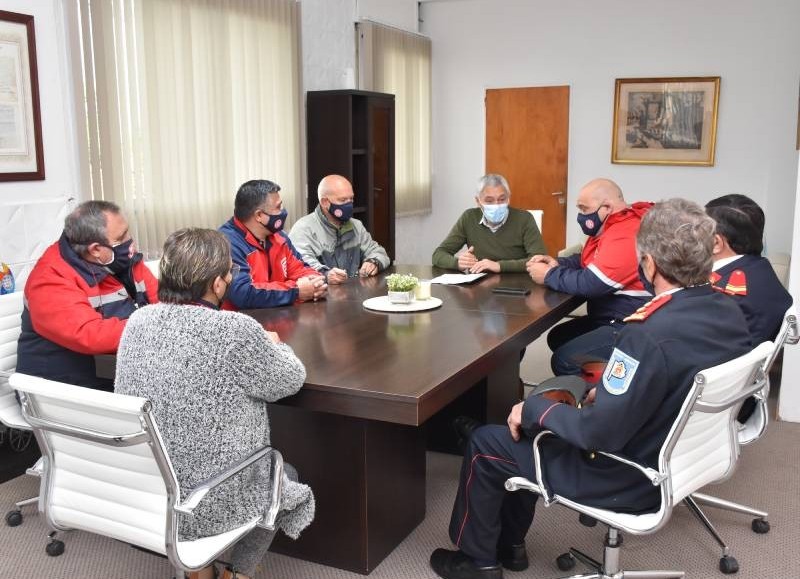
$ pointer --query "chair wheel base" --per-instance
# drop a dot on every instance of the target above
(13, 518)
(728, 565)
(760, 526)
(54, 548)
(565, 561)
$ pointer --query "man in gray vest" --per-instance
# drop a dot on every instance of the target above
(332, 241)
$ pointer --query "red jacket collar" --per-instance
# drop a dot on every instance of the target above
(274, 239)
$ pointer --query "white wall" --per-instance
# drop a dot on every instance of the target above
(753, 45)
(28, 221)
(328, 33)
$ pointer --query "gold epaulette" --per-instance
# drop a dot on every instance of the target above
(646, 310)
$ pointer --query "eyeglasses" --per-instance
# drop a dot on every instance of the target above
(235, 269)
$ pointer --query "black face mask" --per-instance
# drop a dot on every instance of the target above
(276, 222)
(122, 257)
(648, 285)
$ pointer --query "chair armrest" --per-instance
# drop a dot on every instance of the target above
(202, 489)
(652, 475)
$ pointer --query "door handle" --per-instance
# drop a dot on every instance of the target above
(560, 195)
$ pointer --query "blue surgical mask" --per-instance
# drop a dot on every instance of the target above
(496, 213)
(276, 222)
(648, 285)
(590, 222)
(341, 212)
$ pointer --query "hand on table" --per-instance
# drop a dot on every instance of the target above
(467, 259)
(538, 266)
(336, 276)
(320, 287)
(368, 269)
(485, 265)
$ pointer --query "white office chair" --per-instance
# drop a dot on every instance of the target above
(538, 216)
(108, 472)
(752, 430)
(12, 423)
(701, 448)
(153, 265)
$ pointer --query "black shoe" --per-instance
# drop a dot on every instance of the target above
(456, 565)
(513, 557)
(464, 427)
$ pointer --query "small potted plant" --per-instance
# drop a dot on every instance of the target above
(401, 288)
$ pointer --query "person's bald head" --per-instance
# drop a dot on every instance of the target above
(600, 192)
(336, 190)
(334, 186)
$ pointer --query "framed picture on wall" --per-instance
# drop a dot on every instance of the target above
(665, 121)
(21, 154)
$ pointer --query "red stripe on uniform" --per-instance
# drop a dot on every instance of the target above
(546, 412)
(466, 492)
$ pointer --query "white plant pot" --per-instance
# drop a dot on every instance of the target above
(401, 297)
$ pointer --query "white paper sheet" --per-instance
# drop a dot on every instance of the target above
(457, 278)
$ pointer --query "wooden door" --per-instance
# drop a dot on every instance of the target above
(382, 224)
(527, 136)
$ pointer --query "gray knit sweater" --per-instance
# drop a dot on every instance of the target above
(209, 375)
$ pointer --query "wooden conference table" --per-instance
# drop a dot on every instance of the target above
(353, 431)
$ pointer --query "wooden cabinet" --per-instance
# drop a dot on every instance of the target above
(351, 133)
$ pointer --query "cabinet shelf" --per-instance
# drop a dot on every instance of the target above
(351, 133)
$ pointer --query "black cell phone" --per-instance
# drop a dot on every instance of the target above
(514, 291)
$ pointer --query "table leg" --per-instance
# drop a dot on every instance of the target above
(502, 388)
(368, 478)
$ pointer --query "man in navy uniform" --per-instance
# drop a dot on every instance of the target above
(740, 271)
(630, 411)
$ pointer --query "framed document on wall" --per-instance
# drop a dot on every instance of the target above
(21, 154)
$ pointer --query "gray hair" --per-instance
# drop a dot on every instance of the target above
(191, 260)
(492, 180)
(87, 224)
(679, 236)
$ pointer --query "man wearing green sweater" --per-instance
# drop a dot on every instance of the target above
(497, 237)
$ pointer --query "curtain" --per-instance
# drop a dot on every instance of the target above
(184, 100)
(399, 62)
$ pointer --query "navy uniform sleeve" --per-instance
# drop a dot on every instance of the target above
(634, 383)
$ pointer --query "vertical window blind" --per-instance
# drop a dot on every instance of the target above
(183, 101)
(399, 62)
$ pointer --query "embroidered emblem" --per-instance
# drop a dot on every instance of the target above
(619, 372)
(714, 277)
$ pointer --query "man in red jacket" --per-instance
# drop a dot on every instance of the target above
(606, 273)
(79, 296)
(271, 271)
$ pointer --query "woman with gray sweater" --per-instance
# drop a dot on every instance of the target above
(209, 375)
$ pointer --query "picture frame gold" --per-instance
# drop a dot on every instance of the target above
(21, 150)
(665, 121)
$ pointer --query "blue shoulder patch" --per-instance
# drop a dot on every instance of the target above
(619, 372)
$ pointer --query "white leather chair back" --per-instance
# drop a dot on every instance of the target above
(10, 326)
(538, 215)
(706, 449)
(756, 424)
(153, 265)
(116, 491)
